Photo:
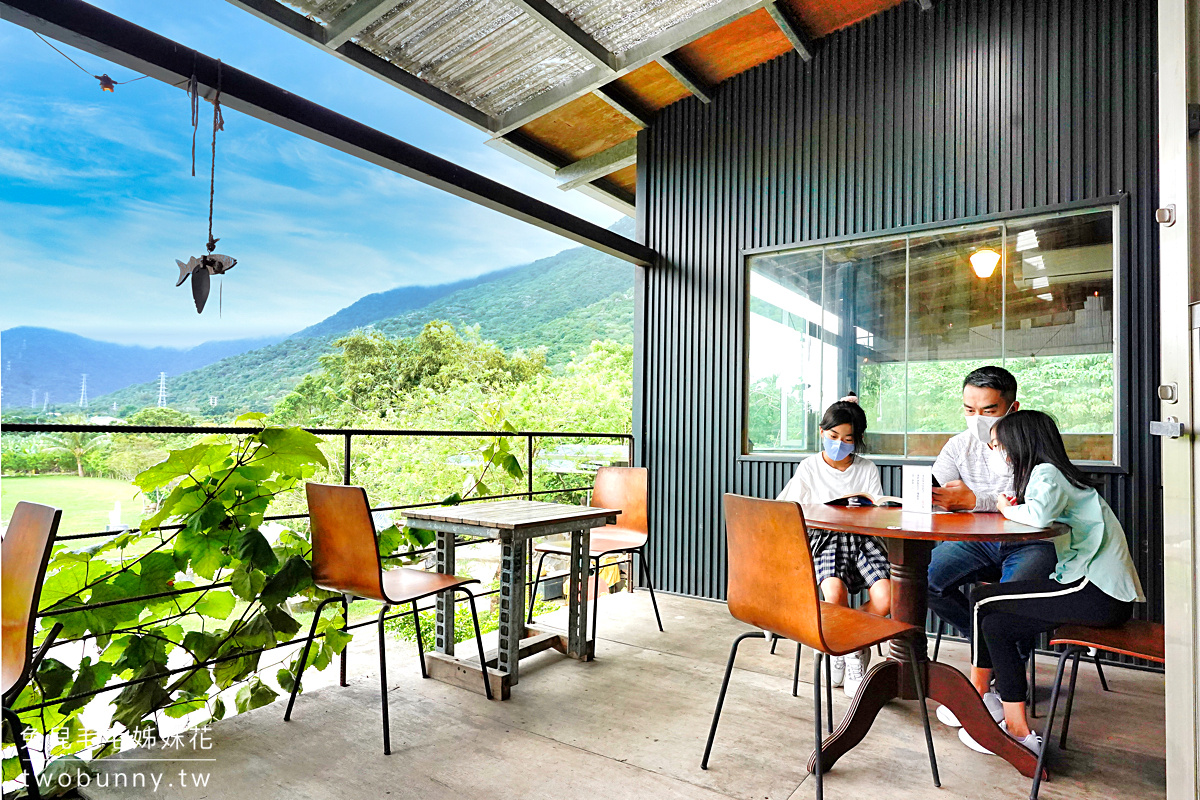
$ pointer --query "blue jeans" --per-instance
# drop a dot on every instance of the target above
(956, 564)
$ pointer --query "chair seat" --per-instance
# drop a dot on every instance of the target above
(403, 584)
(848, 629)
(609, 539)
(1135, 638)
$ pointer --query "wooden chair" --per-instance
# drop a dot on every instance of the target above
(773, 586)
(26, 551)
(1135, 638)
(614, 487)
(345, 559)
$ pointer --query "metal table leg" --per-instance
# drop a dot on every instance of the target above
(578, 645)
(512, 607)
(444, 629)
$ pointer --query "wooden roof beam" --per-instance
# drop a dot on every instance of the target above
(606, 162)
(687, 79)
(354, 20)
(565, 28)
(792, 28)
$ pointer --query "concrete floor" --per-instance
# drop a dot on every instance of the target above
(632, 724)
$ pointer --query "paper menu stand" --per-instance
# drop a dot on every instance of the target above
(918, 489)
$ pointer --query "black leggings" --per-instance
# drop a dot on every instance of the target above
(1004, 614)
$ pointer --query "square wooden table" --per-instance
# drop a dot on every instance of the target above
(513, 523)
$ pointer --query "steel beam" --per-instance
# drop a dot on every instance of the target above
(533, 155)
(565, 29)
(110, 37)
(354, 20)
(313, 32)
(624, 104)
(688, 79)
(606, 162)
(717, 16)
(792, 28)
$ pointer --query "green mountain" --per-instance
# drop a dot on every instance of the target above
(563, 302)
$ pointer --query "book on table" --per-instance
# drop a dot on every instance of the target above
(865, 499)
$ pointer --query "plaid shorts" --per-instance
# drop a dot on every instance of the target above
(858, 560)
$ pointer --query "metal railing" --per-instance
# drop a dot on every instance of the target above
(348, 434)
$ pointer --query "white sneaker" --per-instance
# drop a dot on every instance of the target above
(837, 669)
(856, 668)
(946, 717)
(994, 706)
(1031, 742)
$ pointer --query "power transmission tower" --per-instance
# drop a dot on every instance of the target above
(33, 399)
(162, 389)
(45, 402)
(83, 398)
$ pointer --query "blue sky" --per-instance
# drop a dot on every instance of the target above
(97, 200)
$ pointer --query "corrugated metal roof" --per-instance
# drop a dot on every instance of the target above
(490, 53)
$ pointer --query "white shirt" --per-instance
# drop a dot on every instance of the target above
(817, 482)
(964, 458)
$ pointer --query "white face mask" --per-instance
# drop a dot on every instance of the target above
(981, 426)
(998, 463)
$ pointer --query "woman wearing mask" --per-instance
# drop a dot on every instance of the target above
(1093, 581)
(845, 562)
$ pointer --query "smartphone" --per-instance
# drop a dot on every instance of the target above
(936, 483)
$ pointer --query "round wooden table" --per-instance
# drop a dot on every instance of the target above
(910, 538)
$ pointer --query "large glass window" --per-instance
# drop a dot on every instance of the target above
(901, 320)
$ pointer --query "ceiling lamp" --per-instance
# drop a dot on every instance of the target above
(984, 262)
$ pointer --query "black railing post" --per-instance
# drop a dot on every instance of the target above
(529, 464)
(346, 464)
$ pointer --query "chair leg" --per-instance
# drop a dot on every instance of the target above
(650, 585)
(537, 579)
(1037, 775)
(1062, 742)
(937, 641)
(595, 605)
(828, 692)
(919, 685)
(712, 731)
(487, 684)
(1100, 672)
(14, 725)
(774, 642)
(420, 643)
(303, 662)
(796, 673)
(383, 689)
(346, 626)
(817, 719)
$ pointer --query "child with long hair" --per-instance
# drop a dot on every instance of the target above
(1094, 581)
(845, 562)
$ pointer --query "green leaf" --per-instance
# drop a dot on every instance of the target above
(67, 767)
(256, 633)
(140, 652)
(247, 585)
(419, 538)
(254, 694)
(89, 678)
(253, 548)
(135, 702)
(54, 676)
(250, 416)
(218, 708)
(337, 639)
(178, 464)
(512, 466)
(230, 672)
(201, 644)
(303, 447)
(216, 604)
(286, 626)
(284, 677)
(64, 582)
(293, 576)
(12, 766)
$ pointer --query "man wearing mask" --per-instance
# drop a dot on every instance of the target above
(972, 476)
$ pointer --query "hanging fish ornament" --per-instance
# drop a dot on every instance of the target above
(201, 268)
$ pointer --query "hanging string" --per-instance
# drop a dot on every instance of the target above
(218, 125)
(101, 78)
(193, 91)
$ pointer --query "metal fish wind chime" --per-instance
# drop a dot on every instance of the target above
(201, 268)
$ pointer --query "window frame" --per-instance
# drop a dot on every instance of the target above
(1117, 203)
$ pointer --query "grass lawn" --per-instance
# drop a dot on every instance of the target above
(86, 502)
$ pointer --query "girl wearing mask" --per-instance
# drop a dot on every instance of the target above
(1093, 583)
(845, 562)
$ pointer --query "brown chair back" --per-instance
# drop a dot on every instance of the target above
(25, 553)
(345, 552)
(772, 582)
(623, 488)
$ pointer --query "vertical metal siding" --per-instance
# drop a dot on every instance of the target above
(972, 108)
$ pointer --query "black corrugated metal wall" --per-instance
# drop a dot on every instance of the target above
(970, 109)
